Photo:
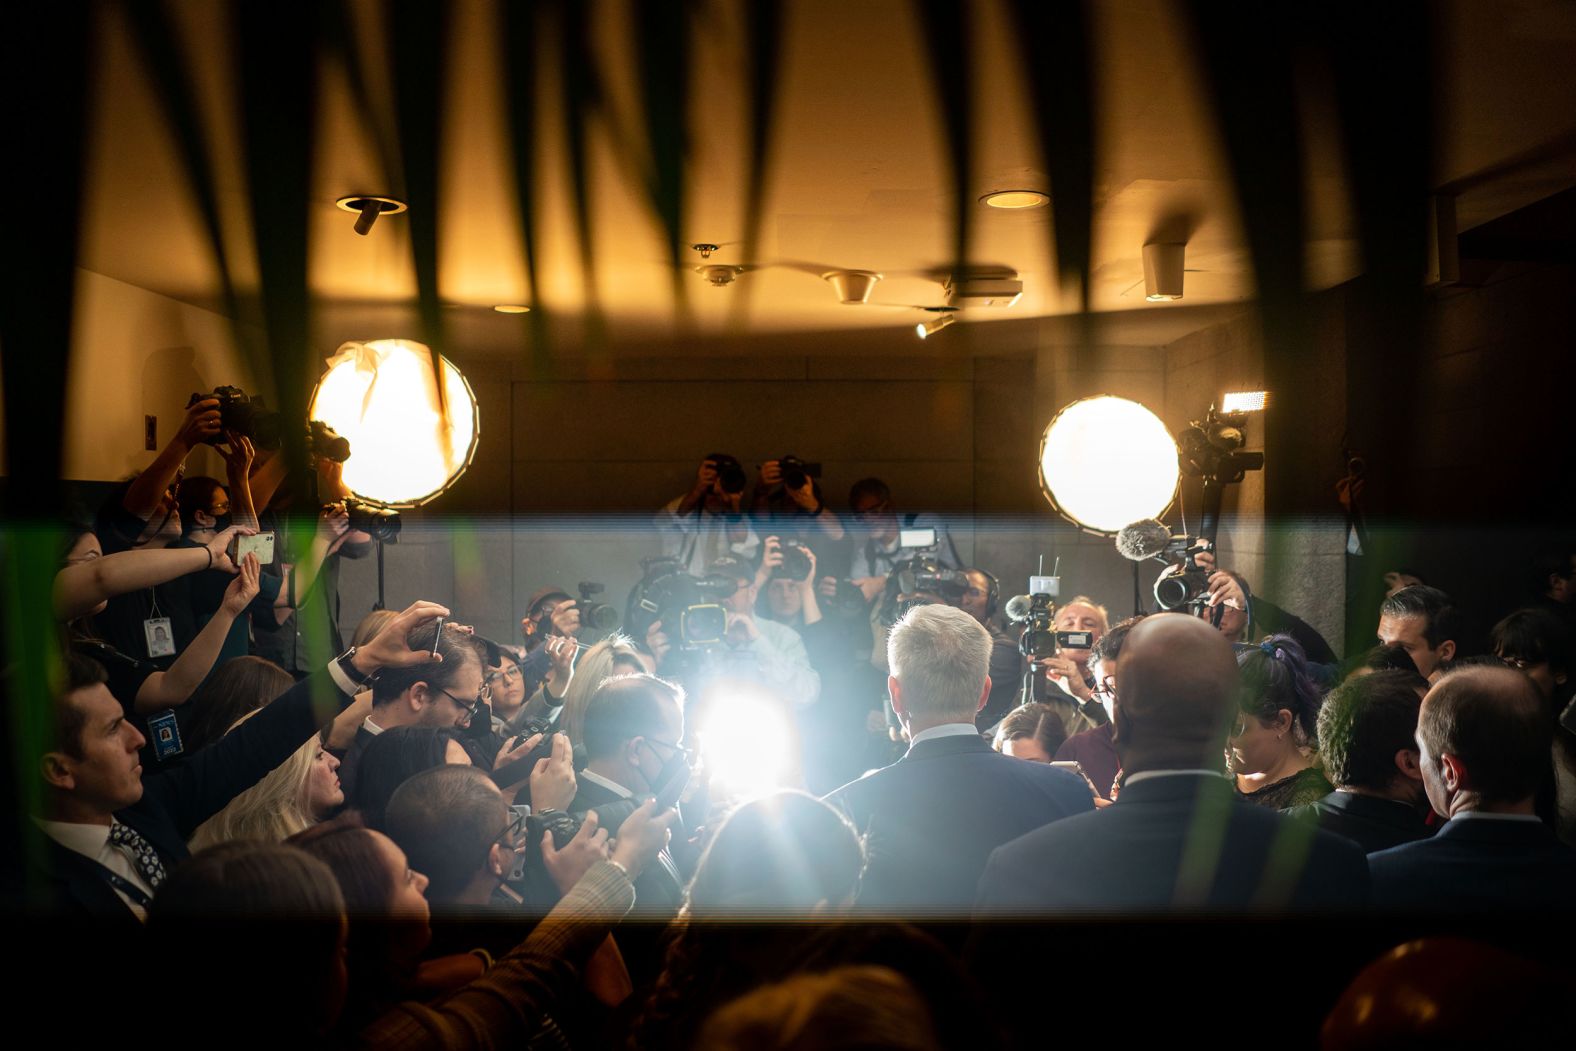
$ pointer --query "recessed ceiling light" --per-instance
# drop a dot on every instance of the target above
(1016, 199)
(512, 308)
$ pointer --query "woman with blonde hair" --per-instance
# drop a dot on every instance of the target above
(296, 794)
(614, 655)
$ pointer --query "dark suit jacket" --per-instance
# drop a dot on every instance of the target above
(178, 799)
(1169, 842)
(1478, 864)
(1371, 823)
(350, 762)
(933, 817)
(659, 890)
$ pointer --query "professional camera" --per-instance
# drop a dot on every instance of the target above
(845, 601)
(730, 472)
(245, 415)
(381, 523)
(921, 581)
(322, 440)
(689, 606)
(598, 616)
(796, 472)
(1183, 582)
(1036, 611)
(796, 562)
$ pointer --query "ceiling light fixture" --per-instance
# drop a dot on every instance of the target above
(1163, 272)
(1015, 200)
(368, 208)
(853, 287)
(926, 329)
(512, 308)
(381, 396)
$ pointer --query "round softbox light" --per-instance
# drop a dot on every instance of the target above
(382, 396)
(1107, 462)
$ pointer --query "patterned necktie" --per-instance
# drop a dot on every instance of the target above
(149, 867)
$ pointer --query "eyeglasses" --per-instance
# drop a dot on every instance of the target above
(468, 709)
(513, 834)
(1519, 663)
(874, 509)
(678, 749)
(505, 675)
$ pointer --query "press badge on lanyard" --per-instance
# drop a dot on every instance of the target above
(166, 734)
(161, 640)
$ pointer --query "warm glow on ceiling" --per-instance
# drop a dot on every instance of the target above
(1016, 199)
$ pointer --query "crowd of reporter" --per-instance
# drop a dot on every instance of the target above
(300, 825)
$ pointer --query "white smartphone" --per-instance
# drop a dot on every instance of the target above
(259, 544)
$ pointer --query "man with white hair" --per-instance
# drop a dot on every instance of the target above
(932, 818)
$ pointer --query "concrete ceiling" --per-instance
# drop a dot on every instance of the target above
(858, 180)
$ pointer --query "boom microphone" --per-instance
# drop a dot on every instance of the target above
(1018, 608)
(1143, 540)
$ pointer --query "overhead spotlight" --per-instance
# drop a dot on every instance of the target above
(1245, 401)
(368, 208)
(1163, 272)
(1015, 200)
(1107, 462)
(926, 329)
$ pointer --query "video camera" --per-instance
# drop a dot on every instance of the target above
(381, 523)
(689, 606)
(921, 581)
(1036, 611)
(1183, 582)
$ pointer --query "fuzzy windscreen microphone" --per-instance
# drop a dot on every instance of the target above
(1142, 540)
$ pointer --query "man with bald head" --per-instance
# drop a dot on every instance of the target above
(1483, 743)
(1175, 838)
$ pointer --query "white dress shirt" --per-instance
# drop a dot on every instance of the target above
(945, 730)
(92, 842)
(611, 785)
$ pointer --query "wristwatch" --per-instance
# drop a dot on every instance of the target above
(343, 671)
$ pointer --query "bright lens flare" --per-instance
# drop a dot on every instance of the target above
(746, 742)
(382, 397)
(1108, 462)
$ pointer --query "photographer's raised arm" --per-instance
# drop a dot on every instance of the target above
(81, 587)
(238, 457)
(168, 689)
(268, 474)
(143, 495)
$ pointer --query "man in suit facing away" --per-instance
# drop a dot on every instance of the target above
(1483, 743)
(933, 817)
(1175, 838)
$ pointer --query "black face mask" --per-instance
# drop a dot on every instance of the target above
(223, 522)
(676, 769)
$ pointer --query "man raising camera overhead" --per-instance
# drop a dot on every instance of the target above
(709, 521)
